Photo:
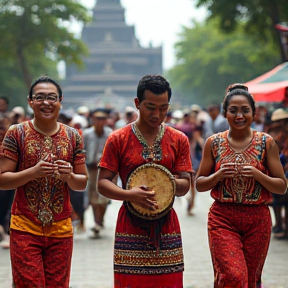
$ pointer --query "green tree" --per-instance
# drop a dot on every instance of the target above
(34, 38)
(209, 60)
(259, 17)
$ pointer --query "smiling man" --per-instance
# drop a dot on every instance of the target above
(41, 159)
(148, 251)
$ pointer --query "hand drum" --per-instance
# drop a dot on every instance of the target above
(159, 179)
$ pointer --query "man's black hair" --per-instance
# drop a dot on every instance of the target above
(154, 83)
(45, 79)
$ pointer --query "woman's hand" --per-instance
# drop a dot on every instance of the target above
(226, 171)
(249, 171)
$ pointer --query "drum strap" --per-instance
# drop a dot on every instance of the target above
(151, 227)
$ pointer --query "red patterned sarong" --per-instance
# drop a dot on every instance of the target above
(138, 260)
(239, 237)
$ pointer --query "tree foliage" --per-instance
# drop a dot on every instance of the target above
(259, 17)
(34, 38)
(209, 60)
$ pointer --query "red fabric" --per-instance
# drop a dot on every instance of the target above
(136, 251)
(153, 281)
(137, 261)
(240, 189)
(39, 261)
(270, 86)
(27, 147)
(281, 27)
(123, 152)
(239, 237)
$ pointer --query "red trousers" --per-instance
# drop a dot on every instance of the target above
(39, 261)
(239, 237)
(148, 281)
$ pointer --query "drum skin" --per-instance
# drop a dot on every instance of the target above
(159, 179)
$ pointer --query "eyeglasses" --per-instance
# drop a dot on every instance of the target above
(51, 98)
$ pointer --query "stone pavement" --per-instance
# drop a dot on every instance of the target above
(92, 263)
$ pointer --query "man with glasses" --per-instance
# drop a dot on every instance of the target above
(94, 139)
(42, 158)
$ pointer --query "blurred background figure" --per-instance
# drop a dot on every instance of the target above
(196, 146)
(4, 105)
(219, 122)
(6, 196)
(185, 124)
(79, 122)
(113, 117)
(83, 111)
(177, 116)
(17, 115)
(130, 115)
(65, 116)
(168, 120)
(260, 119)
(202, 119)
(279, 131)
(95, 138)
(76, 197)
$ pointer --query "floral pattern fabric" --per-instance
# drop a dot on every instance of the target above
(26, 146)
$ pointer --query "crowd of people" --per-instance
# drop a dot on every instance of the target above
(237, 150)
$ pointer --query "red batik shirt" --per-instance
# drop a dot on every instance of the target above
(26, 146)
(123, 152)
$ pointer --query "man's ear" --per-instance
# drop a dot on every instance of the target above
(30, 101)
(137, 103)
(62, 98)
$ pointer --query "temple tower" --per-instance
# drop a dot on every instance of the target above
(115, 64)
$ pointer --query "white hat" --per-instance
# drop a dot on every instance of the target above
(19, 110)
(195, 108)
(78, 119)
(279, 114)
(129, 109)
(83, 110)
(178, 114)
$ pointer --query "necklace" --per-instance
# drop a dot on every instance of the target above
(153, 152)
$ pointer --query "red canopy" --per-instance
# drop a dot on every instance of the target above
(271, 86)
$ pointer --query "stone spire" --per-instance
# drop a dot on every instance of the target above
(106, 2)
(115, 63)
(108, 11)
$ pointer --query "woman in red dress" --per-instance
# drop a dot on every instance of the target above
(241, 167)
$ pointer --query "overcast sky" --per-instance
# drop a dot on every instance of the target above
(157, 21)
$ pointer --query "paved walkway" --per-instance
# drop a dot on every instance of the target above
(92, 264)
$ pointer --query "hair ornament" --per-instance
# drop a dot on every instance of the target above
(237, 86)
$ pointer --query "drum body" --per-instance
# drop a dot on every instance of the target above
(158, 178)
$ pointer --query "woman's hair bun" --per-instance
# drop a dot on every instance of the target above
(237, 86)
